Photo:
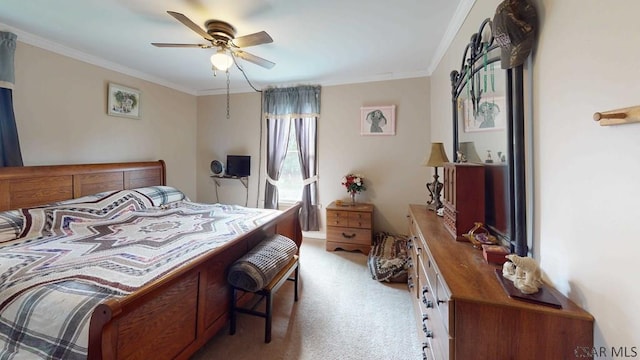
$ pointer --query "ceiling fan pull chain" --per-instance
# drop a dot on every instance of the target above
(228, 81)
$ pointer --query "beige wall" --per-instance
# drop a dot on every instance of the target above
(60, 107)
(218, 136)
(585, 188)
(391, 165)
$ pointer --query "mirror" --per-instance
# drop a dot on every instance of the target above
(488, 128)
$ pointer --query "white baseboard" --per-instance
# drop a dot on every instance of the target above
(314, 234)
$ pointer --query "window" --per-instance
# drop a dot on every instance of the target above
(290, 182)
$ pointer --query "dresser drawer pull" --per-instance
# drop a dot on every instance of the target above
(349, 236)
(425, 289)
(425, 317)
(429, 334)
(441, 301)
(427, 303)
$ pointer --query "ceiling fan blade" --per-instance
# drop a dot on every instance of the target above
(254, 59)
(252, 39)
(190, 24)
(202, 46)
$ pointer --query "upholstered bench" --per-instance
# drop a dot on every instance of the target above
(262, 271)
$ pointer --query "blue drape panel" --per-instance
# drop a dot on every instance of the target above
(302, 105)
(10, 154)
(277, 142)
(306, 135)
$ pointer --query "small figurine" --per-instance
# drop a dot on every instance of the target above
(528, 277)
(509, 270)
(461, 157)
(489, 159)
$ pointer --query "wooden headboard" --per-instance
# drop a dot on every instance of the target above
(29, 186)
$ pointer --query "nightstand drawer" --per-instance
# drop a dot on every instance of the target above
(338, 218)
(360, 220)
(349, 235)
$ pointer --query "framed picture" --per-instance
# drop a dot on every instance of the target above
(378, 120)
(490, 114)
(123, 101)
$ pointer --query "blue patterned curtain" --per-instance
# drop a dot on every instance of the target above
(10, 154)
(302, 105)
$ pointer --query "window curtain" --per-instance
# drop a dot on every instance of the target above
(10, 154)
(306, 137)
(302, 105)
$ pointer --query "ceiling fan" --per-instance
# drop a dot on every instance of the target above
(222, 35)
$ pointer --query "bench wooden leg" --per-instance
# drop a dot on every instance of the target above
(295, 283)
(232, 312)
(267, 323)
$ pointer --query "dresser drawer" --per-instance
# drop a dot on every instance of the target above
(349, 235)
(443, 297)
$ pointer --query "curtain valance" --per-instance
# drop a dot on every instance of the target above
(7, 52)
(292, 102)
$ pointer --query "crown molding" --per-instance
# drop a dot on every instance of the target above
(459, 16)
(48, 45)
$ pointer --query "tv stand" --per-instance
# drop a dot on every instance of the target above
(244, 180)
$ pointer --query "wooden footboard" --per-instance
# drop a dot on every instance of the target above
(176, 315)
(172, 317)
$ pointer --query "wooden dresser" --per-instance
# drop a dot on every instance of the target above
(464, 313)
(463, 197)
(350, 227)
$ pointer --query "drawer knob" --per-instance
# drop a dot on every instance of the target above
(427, 303)
(349, 236)
(429, 334)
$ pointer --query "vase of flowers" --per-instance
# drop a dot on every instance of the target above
(354, 183)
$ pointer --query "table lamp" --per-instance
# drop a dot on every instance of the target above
(437, 158)
(468, 151)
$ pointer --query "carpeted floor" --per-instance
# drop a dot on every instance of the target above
(342, 313)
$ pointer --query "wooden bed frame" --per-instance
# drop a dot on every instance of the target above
(170, 318)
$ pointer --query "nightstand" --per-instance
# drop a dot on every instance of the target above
(350, 227)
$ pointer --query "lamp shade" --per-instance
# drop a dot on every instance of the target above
(438, 157)
(221, 60)
(468, 149)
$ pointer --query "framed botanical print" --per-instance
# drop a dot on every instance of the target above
(123, 101)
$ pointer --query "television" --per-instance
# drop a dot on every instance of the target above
(238, 165)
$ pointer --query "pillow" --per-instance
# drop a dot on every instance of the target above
(162, 195)
(258, 267)
(55, 219)
(11, 223)
(82, 199)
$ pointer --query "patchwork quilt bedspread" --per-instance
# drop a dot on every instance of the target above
(71, 257)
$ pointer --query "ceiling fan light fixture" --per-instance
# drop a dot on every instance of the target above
(221, 60)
